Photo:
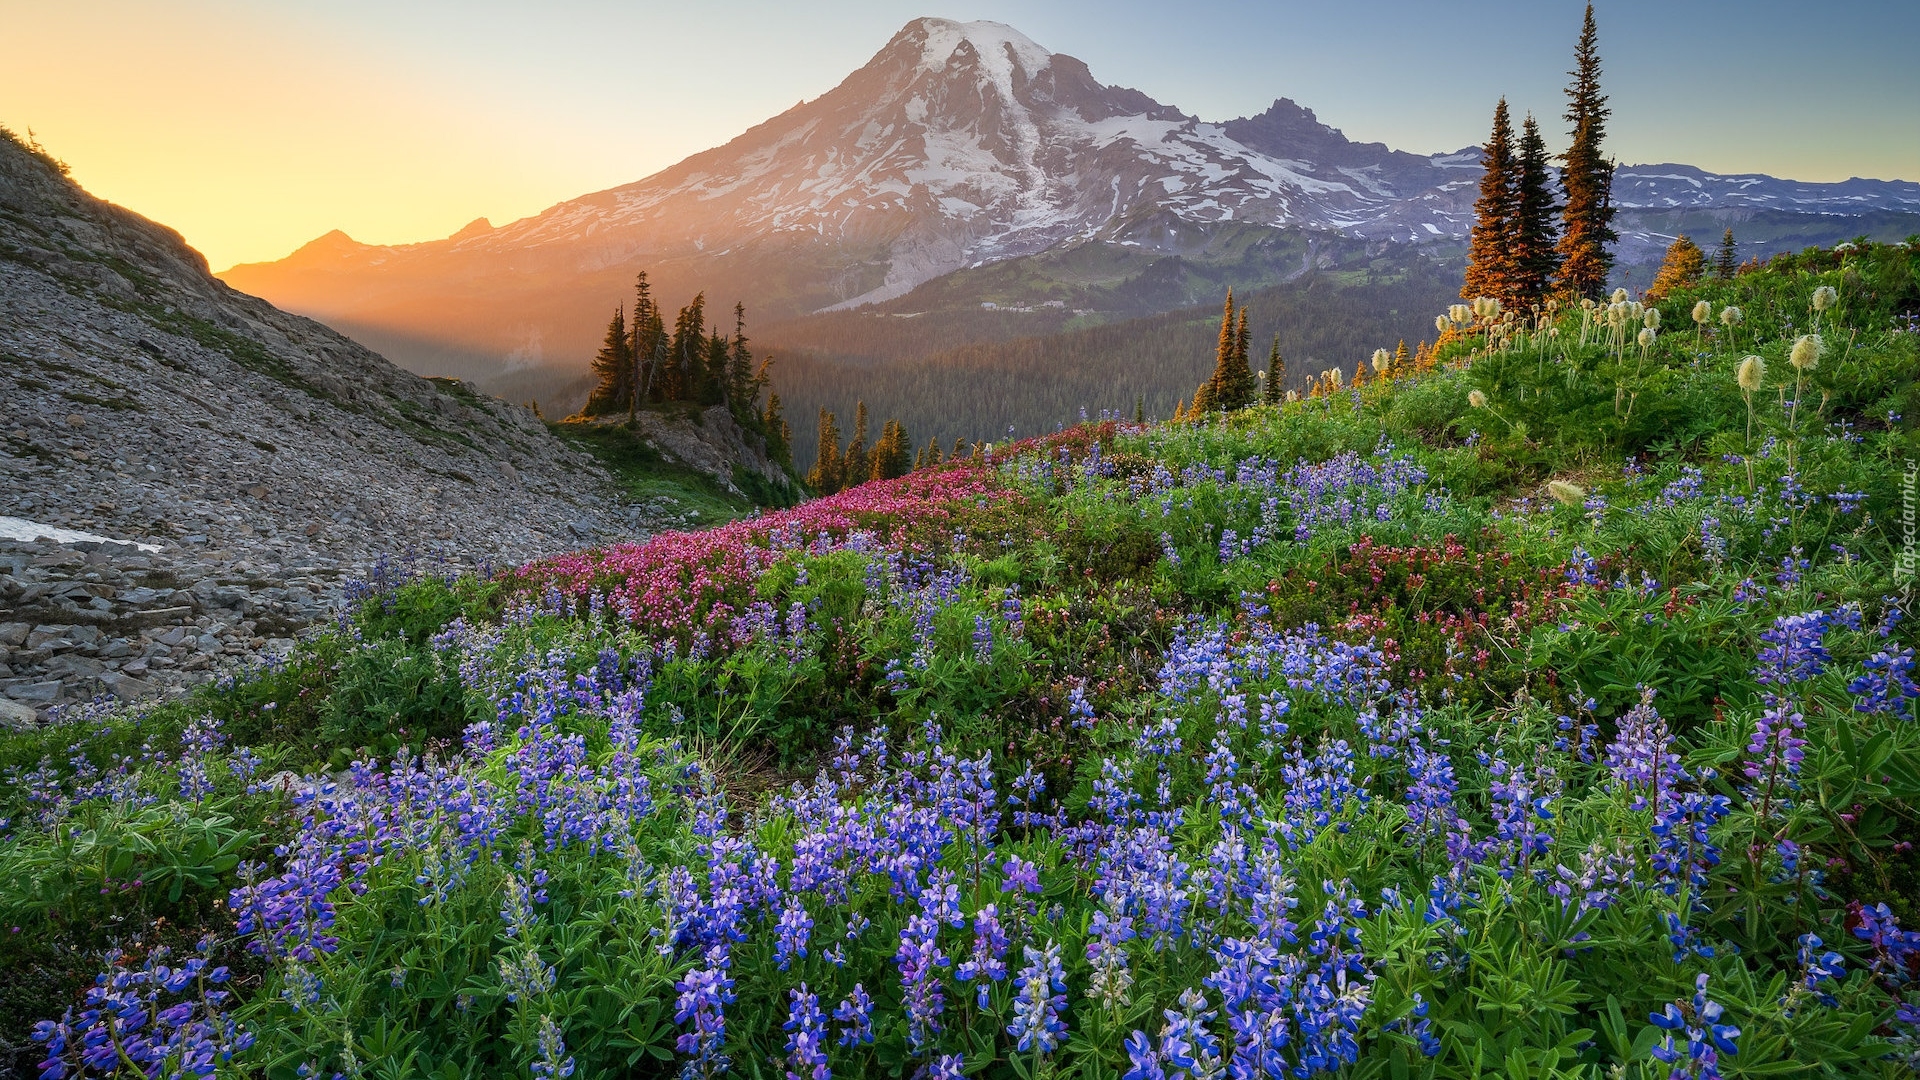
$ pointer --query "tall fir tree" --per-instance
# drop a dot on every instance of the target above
(1490, 256)
(778, 433)
(1535, 251)
(1276, 374)
(856, 463)
(741, 393)
(825, 477)
(613, 364)
(1727, 262)
(1231, 385)
(713, 379)
(1587, 217)
(647, 332)
(687, 353)
(1401, 358)
(893, 454)
(1684, 265)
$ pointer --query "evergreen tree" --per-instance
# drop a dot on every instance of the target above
(1534, 247)
(825, 477)
(713, 378)
(648, 345)
(857, 463)
(613, 364)
(1276, 374)
(959, 449)
(686, 355)
(1684, 265)
(1490, 256)
(741, 392)
(1231, 385)
(892, 455)
(1140, 408)
(1587, 216)
(1727, 263)
(1401, 358)
(778, 433)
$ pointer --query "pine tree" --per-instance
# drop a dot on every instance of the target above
(825, 477)
(1727, 263)
(1588, 178)
(614, 366)
(1276, 374)
(1361, 373)
(1401, 358)
(1534, 252)
(959, 449)
(1490, 262)
(1684, 265)
(1140, 408)
(857, 462)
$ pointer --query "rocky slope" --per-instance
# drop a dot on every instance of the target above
(957, 145)
(265, 456)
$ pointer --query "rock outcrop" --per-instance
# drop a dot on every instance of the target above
(263, 455)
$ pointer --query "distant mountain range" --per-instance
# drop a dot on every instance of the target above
(960, 146)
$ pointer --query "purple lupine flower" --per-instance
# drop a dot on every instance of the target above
(795, 927)
(1683, 852)
(1021, 876)
(1818, 967)
(1794, 647)
(127, 1012)
(1887, 686)
(1896, 952)
(1042, 995)
(1776, 748)
(986, 964)
(1641, 757)
(705, 994)
(806, 1036)
(919, 959)
(855, 1015)
(1106, 951)
(1707, 1038)
(551, 1061)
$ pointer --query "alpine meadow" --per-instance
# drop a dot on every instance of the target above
(1452, 621)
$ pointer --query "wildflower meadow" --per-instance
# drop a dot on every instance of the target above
(1544, 709)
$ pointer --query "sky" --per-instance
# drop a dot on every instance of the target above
(253, 126)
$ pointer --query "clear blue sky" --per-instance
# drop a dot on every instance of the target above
(253, 125)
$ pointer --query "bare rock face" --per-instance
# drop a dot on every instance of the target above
(261, 458)
(710, 442)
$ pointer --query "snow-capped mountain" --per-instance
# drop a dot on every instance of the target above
(957, 144)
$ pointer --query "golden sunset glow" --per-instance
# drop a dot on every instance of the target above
(251, 140)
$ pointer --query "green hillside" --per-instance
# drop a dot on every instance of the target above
(1543, 710)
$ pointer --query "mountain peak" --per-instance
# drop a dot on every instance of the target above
(997, 45)
(477, 227)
